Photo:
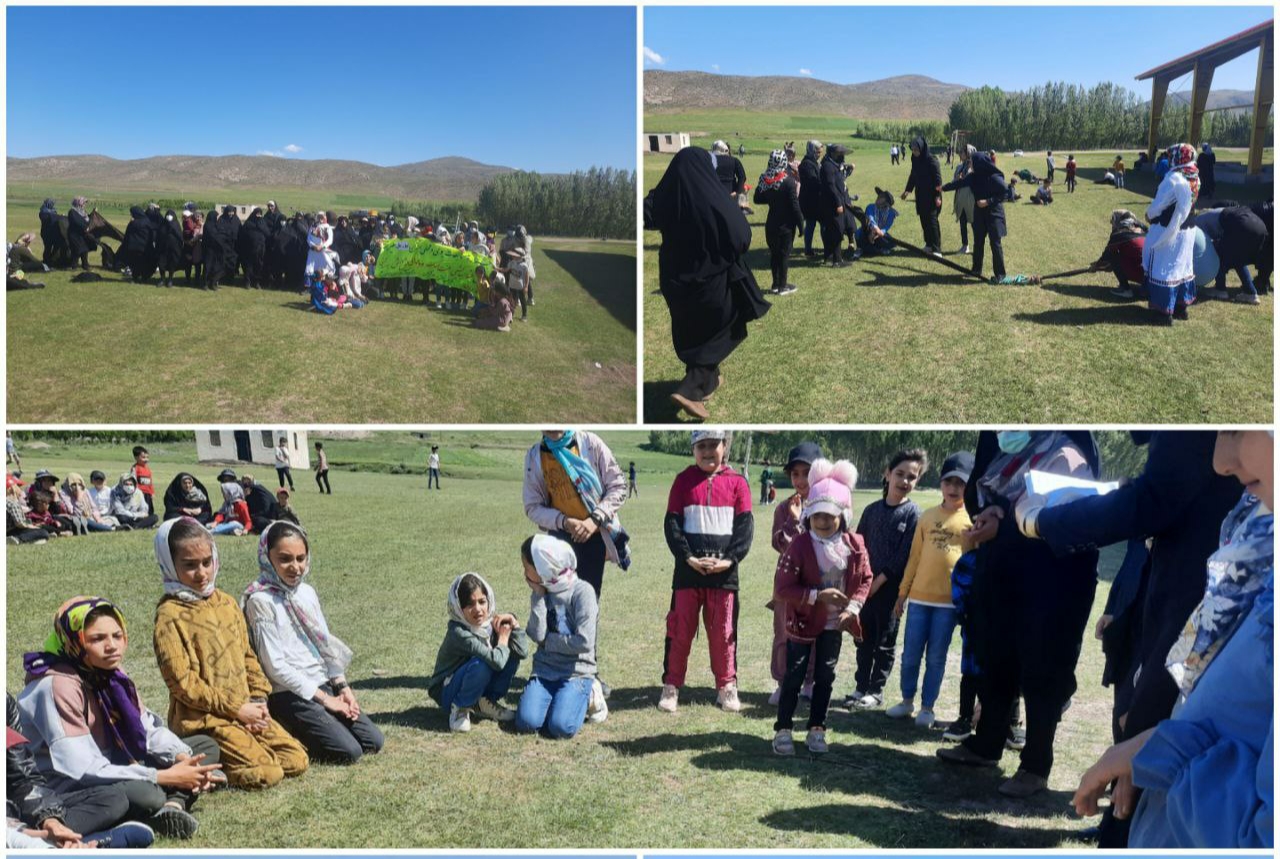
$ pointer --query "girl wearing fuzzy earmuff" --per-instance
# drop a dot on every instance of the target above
(823, 579)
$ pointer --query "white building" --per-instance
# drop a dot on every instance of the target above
(664, 142)
(256, 446)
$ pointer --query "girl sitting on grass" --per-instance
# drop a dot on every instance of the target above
(87, 725)
(479, 656)
(216, 685)
(562, 621)
(305, 663)
(233, 517)
(498, 313)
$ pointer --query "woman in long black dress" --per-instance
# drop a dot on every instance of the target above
(55, 244)
(710, 293)
(79, 240)
(168, 247)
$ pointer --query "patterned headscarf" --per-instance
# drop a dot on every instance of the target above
(455, 605)
(173, 586)
(79, 203)
(555, 561)
(331, 649)
(113, 691)
(1125, 223)
(1182, 159)
(777, 169)
(1237, 573)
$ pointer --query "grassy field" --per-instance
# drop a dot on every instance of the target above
(900, 339)
(149, 355)
(384, 552)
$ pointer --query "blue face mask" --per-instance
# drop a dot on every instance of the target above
(1013, 441)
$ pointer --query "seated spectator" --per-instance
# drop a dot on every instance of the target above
(186, 496)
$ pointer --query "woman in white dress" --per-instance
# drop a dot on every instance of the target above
(1168, 256)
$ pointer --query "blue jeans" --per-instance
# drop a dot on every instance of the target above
(928, 634)
(809, 226)
(99, 526)
(225, 527)
(558, 705)
(1246, 280)
(476, 680)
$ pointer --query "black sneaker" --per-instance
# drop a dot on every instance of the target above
(173, 822)
(958, 730)
(786, 289)
(1016, 739)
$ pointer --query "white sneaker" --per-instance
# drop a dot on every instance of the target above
(965, 250)
(774, 697)
(727, 699)
(670, 699)
(783, 744)
(816, 741)
(459, 719)
(902, 710)
(868, 702)
(495, 710)
(597, 709)
(924, 719)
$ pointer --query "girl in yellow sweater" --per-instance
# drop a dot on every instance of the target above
(926, 585)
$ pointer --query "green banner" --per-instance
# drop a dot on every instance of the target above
(426, 259)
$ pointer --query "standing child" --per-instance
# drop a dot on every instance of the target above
(142, 476)
(1071, 174)
(766, 478)
(11, 453)
(322, 470)
(788, 523)
(483, 299)
(926, 584)
(1118, 169)
(433, 467)
(479, 656)
(562, 692)
(887, 526)
(709, 528)
(633, 488)
(216, 685)
(284, 462)
(823, 582)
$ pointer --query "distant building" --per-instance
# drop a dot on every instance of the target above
(251, 446)
(664, 142)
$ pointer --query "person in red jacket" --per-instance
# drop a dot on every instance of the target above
(142, 476)
(823, 579)
(1123, 254)
(233, 517)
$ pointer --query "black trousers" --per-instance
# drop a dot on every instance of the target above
(285, 474)
(981, 232)
(826, 650)
(964, 229)
(699, 381)
(592, 556)
(929, 225)
(29, 535)
(145, 798)
(327, 738)
(875, 653)
(831, 232)
(322, 480)
(780, 243)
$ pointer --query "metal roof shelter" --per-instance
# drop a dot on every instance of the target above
(1201, 64)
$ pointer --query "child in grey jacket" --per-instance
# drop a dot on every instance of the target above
(562, 621)
(479, 656)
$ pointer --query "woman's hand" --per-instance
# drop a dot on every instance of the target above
(1101, 626)
(580, 530)
(985, 526)
(904, 195)
(1116, 764)
(187, 774)
(981, 204)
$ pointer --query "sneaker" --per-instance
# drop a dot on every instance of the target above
(498, 711)
(14, 541)
(532, 302)
(958, 730)
(727, 699)
(1245, 298)
(786, 289)
(1023, 785)
(670, 699)
(816, 741)
(131, 835)
(783, 744)
(965, 249)
(173, 822)
(964, 756)
(597, 709)
(1220, 294)
(901, 710)
(924, 719)
(806, 691)
(774, 697)
(1122, 293)
(1016, 739)
(459, 719)
(870, 701)
(851, 700)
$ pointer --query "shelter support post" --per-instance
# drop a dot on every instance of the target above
(1263, 100)
(1159, 89)
(1200, 84)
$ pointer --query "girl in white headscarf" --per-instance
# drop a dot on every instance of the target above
(321, 258)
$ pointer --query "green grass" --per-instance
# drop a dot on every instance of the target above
(899, 339)
(149, 355)
(384, 553)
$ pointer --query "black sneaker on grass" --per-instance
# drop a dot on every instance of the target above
(958, 730)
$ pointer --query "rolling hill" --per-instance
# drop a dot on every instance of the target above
(902, 97)
(450, 178)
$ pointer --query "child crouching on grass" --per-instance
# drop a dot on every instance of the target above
(561, 694)
(497, 312)
(709, 529)
(822, 579)
(479, 656)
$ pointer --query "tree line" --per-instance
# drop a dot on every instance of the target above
(597, 203)
(871, 450)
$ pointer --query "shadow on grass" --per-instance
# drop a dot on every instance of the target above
(897, 827)
(658, 408)
(1127, 314)
(599, 275)
(1091, 293)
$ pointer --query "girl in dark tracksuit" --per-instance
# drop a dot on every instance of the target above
(926, 181)
(777, 190)
(989, 192)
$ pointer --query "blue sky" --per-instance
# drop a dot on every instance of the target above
(547, 89)
(1017, 47)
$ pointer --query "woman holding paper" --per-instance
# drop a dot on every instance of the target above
(1033, 605)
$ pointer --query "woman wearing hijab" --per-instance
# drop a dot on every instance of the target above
(926, 180)
(213, 248)
(710, 293)
(139, 245)
(192, 250)
(87, 725)
(346, 242)
(233, 516)
(168, 247)
(1206, 774)
(1206, 162)
(320, 258)
(809, 203)
(962, 202)
(229, 228)
(777, 189)
(253, 249)
(986, 182)
(129, 506)
(1032, 605)
(187, 496)
(1169, 253)
(1123, 253)
(1238, 235)
(76, 501)
(526, 241)
(55, 243)
(834, 204)
(79, 241)
(305, 663)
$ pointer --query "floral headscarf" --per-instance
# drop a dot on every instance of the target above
(113, 691)
(173, 586)
(1182, 159)
(555, 562)
(776, 171)
(332, 651)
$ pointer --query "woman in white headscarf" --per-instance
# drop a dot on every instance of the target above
(321, 258)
